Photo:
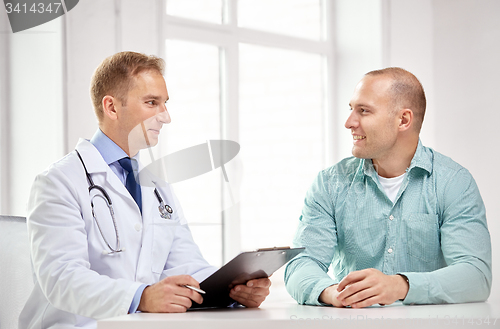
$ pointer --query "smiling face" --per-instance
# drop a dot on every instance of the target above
(141, 118)
(373, 121)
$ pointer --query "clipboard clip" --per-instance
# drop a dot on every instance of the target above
(273, 248)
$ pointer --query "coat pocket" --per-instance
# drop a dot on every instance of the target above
(163, 237)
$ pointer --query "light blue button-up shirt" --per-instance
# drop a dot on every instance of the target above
(111, 153)
(435, 233)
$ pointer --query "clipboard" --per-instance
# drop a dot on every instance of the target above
(246, 266)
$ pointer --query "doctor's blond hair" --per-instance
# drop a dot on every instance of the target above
(114, 76)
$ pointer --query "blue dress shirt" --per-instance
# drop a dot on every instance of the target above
(111, 153)
(435, 233)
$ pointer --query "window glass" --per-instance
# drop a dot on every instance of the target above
(299, 18)
(192, 77)
(281, 120)
(203, 10)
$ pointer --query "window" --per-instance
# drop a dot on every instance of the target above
(281, 105)
(253, 72)
(203, 10)
(299, 18)
(192, 76)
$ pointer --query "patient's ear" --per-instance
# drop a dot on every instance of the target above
(405, 119)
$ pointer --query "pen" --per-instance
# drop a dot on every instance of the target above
(195, 289)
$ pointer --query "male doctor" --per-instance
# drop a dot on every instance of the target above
(95, 258)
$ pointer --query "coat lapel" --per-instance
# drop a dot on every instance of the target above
(99, 170)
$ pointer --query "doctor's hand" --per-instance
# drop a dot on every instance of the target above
(251, 294)
(169, 295)
(367, 287)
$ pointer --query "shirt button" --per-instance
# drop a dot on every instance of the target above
(389, 250)
(391, 217)
(138, 227)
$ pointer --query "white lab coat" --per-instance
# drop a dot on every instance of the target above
(75, 283)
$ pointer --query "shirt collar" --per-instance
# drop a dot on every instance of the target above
(421, 159)
(108, 149)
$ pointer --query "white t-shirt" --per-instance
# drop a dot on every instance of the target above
(391, 185)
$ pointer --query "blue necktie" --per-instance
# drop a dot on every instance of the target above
(131, 184)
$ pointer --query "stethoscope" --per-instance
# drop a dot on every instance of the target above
(164, 209)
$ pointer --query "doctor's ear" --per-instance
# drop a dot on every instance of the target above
(109, 104)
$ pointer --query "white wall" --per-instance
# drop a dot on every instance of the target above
(453, 47)
(466, 73)
(359, 49)
(32, 116)
(93, 34)
(4, 114)
(410, 29)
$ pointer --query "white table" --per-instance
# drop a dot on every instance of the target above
(275, 315)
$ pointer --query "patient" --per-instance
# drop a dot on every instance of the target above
(398, 221)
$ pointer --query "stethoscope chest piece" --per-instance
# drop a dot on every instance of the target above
(165, 211)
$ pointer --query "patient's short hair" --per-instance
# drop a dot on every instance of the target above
(406, 92)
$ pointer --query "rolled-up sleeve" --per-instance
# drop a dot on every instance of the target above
(306, 275)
